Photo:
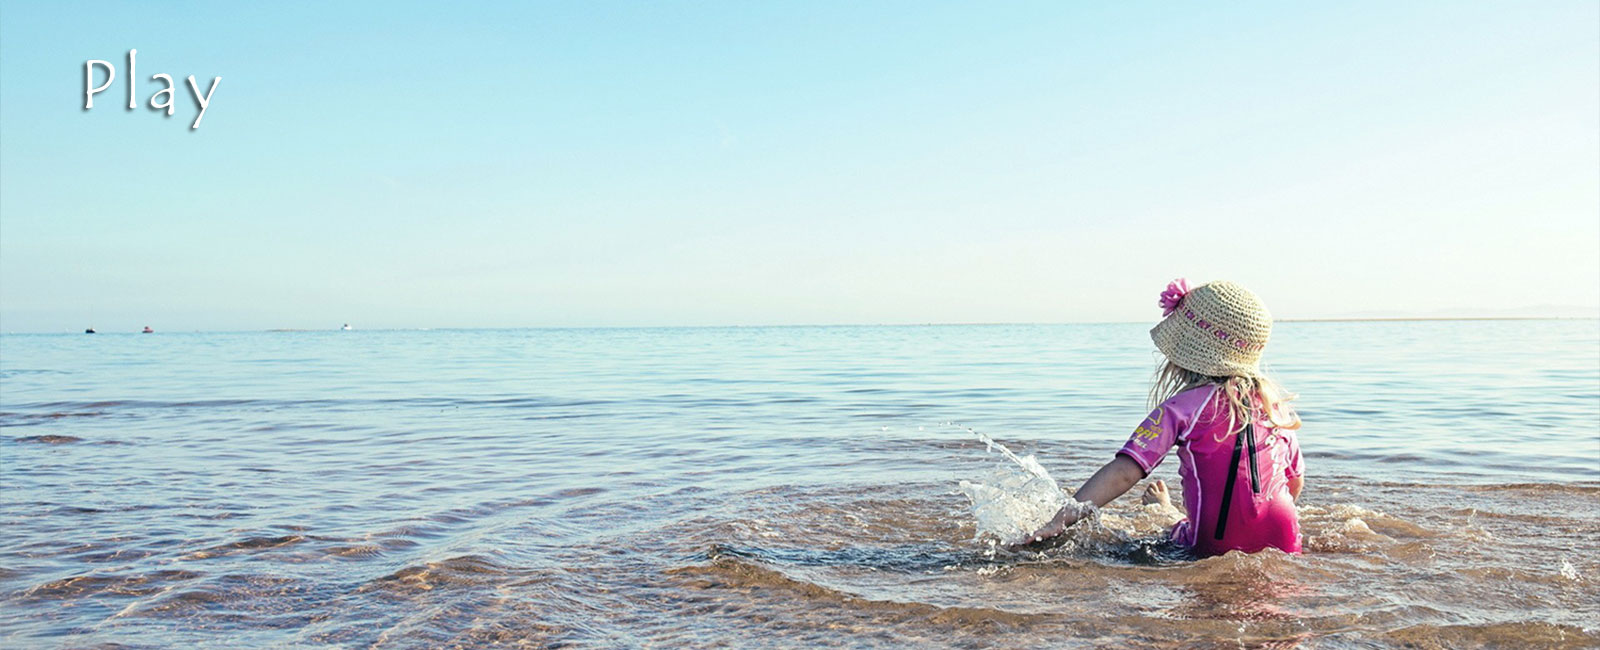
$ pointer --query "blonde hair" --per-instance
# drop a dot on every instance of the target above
(1245, 392)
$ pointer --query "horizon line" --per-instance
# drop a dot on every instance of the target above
(818, 325)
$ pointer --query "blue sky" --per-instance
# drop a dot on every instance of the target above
(678, 163)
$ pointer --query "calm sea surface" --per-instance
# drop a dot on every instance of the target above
(769, 487)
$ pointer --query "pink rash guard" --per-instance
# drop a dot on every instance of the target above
(1198, 422)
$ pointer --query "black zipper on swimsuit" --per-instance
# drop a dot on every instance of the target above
(1250, 439)
(1240, 437)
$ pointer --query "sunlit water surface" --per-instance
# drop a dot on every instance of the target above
(769, 486)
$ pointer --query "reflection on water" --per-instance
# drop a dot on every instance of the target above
(753, 486)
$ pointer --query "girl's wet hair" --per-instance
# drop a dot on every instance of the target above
(1246, 393)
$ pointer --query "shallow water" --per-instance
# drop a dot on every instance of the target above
(769, 486)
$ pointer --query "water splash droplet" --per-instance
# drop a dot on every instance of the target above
(1014, 500)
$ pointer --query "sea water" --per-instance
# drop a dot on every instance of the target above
(759, 486)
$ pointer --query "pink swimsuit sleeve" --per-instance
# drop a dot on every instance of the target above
(1153, 438)
(1297, 465)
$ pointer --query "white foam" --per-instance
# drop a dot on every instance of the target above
(1568, 571)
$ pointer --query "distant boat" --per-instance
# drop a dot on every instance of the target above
(346, 327)
(147, 330)
(89, 331)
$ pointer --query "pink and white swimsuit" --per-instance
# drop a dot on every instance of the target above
(1235, 480)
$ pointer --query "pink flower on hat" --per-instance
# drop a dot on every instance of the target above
(1173, 296)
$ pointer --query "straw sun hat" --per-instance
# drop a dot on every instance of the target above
(1216, 329)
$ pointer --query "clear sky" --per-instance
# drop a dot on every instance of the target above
(688, 163)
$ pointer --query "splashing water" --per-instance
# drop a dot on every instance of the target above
(1015, 500)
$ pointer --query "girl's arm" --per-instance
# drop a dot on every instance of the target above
(1112, 481)
(1294, 487)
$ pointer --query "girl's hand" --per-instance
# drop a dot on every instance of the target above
(1057, 525)
(1109, 483)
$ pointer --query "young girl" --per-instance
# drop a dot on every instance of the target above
(1241, 465)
